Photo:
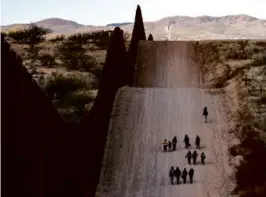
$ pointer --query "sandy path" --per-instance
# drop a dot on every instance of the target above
(166, 64)
(134, 164)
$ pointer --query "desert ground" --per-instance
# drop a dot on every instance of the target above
(171, 105)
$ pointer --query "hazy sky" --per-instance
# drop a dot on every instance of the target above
(102, 12)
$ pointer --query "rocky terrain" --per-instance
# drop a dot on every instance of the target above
(182, 27)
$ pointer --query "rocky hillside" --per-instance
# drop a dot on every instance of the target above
(182, 27)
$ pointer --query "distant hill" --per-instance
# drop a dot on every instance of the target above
(58, 25)
(182, 27)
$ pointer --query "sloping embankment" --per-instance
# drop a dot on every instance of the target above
(134, 164)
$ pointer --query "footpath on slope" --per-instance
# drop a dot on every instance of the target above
(134, 163)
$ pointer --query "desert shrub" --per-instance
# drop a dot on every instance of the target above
(74, 56)
(261, 43)
(59, 38)
(33, 53)
(206, 53)
(59, 86)
(80, 99)
(102, 39)
(97, 71)
(80, 37)
(235, 54)
(70, 94)
(259, 59)
(32, 35)
(47, 60)
(239, 50)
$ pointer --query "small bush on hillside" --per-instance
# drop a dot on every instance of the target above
(74, 56)
(239, 50)
(261, 43)
(259, 60)
(32, 35)
(102, 39)
(70, 94)
(59, 86)
(80, 37)
(57, 39)
(80, 99)
(47, 60)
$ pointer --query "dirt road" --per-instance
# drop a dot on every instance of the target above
(135, 164)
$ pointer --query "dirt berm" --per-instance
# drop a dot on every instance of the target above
(166, 101)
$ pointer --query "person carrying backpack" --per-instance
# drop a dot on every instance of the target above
(184, 175)
(194, 156)
(188, 156)
(205, 113)
(186, 141)
(169, 146)
(177, 175)
(172, 174)
(197, 142)
(202, 158)
(174, 142)
(191, 174)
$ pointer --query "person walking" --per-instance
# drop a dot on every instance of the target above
(165, 145)
(191, 174)
(177, 175)
(174, 142)
(186, 141)
(202, 158)
(172, 174)
(184, 176)
(188, 156)
(197, 142)
(194, 156)
(169, 146)
(205, 113)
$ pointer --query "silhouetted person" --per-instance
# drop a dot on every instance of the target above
(194, 157)
(184, 175)
(188, 156)
(202, 158)
(177, 175)
(174, 142)
(150, 38)
(197, 142)
(186, 141)
(205, 113)
(172, 174)
(165, 145)
(169, 146)
(191, 174)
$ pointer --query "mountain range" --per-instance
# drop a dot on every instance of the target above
(182, 27)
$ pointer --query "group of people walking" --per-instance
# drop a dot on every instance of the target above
(177, 174)
(171, 145)
(194, 156)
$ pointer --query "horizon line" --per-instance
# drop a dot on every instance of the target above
(133, 22)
